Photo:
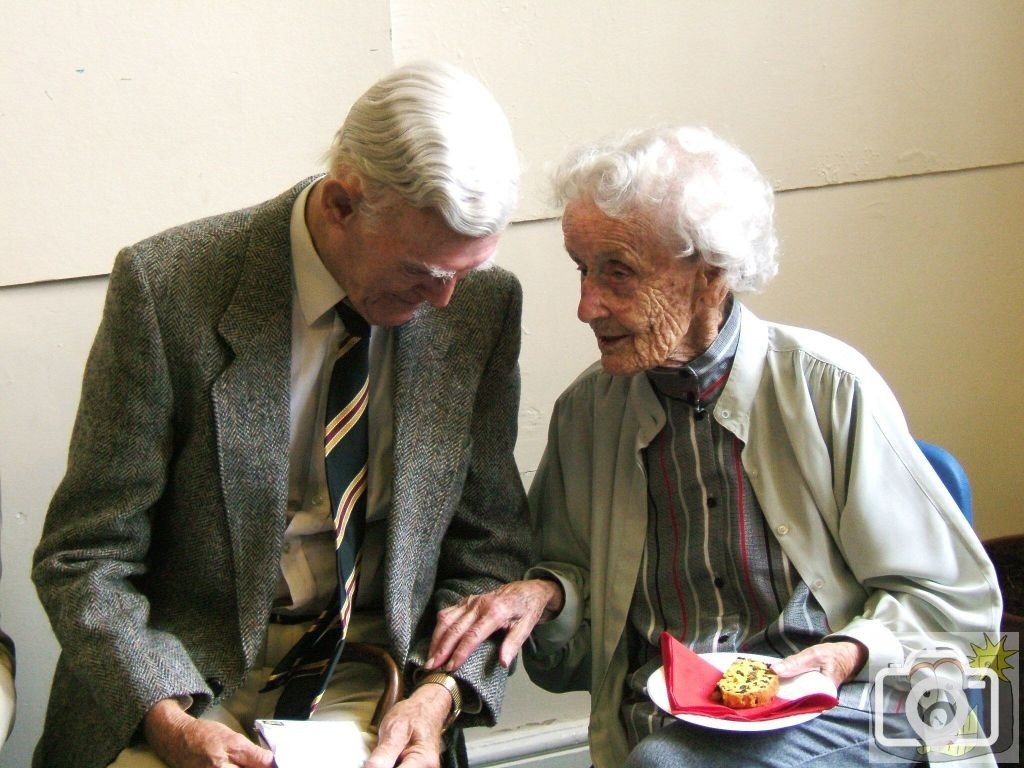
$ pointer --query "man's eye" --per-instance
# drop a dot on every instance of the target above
(582, 270)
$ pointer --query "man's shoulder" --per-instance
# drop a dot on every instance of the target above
(484, 296)
(200, 262)
(494, 281)
(194, 244)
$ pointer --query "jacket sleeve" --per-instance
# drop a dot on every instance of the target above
(558, 654)
(97, 530)
(487, 543)
(926, 576)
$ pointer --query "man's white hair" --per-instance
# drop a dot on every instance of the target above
(707, 195)
(434, 136)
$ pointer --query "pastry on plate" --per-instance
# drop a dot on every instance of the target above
(748, 683)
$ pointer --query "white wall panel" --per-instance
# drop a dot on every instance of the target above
(45, 334)
(118, 120)
(924, 276)
(818, 92)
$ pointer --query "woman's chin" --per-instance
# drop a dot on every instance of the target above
(619, 365)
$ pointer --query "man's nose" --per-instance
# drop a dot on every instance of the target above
(591, 306)
(439, 292)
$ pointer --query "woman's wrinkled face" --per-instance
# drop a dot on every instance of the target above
(647, 306)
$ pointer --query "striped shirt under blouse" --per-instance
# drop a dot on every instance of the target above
(712, 573)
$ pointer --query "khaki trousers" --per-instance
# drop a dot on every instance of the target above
(352, 695)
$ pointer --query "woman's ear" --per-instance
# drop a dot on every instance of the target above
(712, 285)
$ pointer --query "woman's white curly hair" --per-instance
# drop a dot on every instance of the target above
(709, 196)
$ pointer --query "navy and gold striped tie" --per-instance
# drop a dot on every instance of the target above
(306, 669)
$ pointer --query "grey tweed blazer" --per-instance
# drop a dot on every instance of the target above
(160, 551)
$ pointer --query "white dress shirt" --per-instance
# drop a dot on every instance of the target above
(308, 570)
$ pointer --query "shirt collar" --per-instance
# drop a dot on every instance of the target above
(702, 378)
(316, 291)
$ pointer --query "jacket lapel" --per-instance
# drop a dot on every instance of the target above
(432, 412)
(251, 406)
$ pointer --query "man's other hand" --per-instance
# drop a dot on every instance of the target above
(183, 741)
(410, 733)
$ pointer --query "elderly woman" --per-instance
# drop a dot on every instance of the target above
(742, 485)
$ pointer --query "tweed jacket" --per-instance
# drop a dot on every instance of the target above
(161, 548)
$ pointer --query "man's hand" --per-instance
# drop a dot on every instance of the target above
(840, 661)
(517, 607)
(411, 730)
(183, 741)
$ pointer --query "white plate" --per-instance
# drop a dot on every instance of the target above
(789, 688)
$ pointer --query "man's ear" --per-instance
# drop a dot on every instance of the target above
(341, 197)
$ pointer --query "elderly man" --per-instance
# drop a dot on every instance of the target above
(741, 485)
(249, 463)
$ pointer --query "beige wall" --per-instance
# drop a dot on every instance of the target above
(127, 119)
(894, 132)
(922, 274)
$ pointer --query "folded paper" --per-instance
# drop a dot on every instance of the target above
(305, 743)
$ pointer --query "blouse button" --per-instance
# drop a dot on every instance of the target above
(782, 530)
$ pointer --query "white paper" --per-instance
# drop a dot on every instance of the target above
(311, 743)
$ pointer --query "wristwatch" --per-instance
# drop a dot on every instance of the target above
(451, 685)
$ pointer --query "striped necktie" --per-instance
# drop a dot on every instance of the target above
(306, 669)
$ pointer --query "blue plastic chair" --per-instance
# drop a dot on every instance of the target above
(952, 475)
(955, 479)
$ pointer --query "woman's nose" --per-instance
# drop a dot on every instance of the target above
(591, 306)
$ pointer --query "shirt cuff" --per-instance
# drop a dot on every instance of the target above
(884, 650)
(555, 634)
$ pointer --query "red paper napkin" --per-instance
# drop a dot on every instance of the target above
(691, 680)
